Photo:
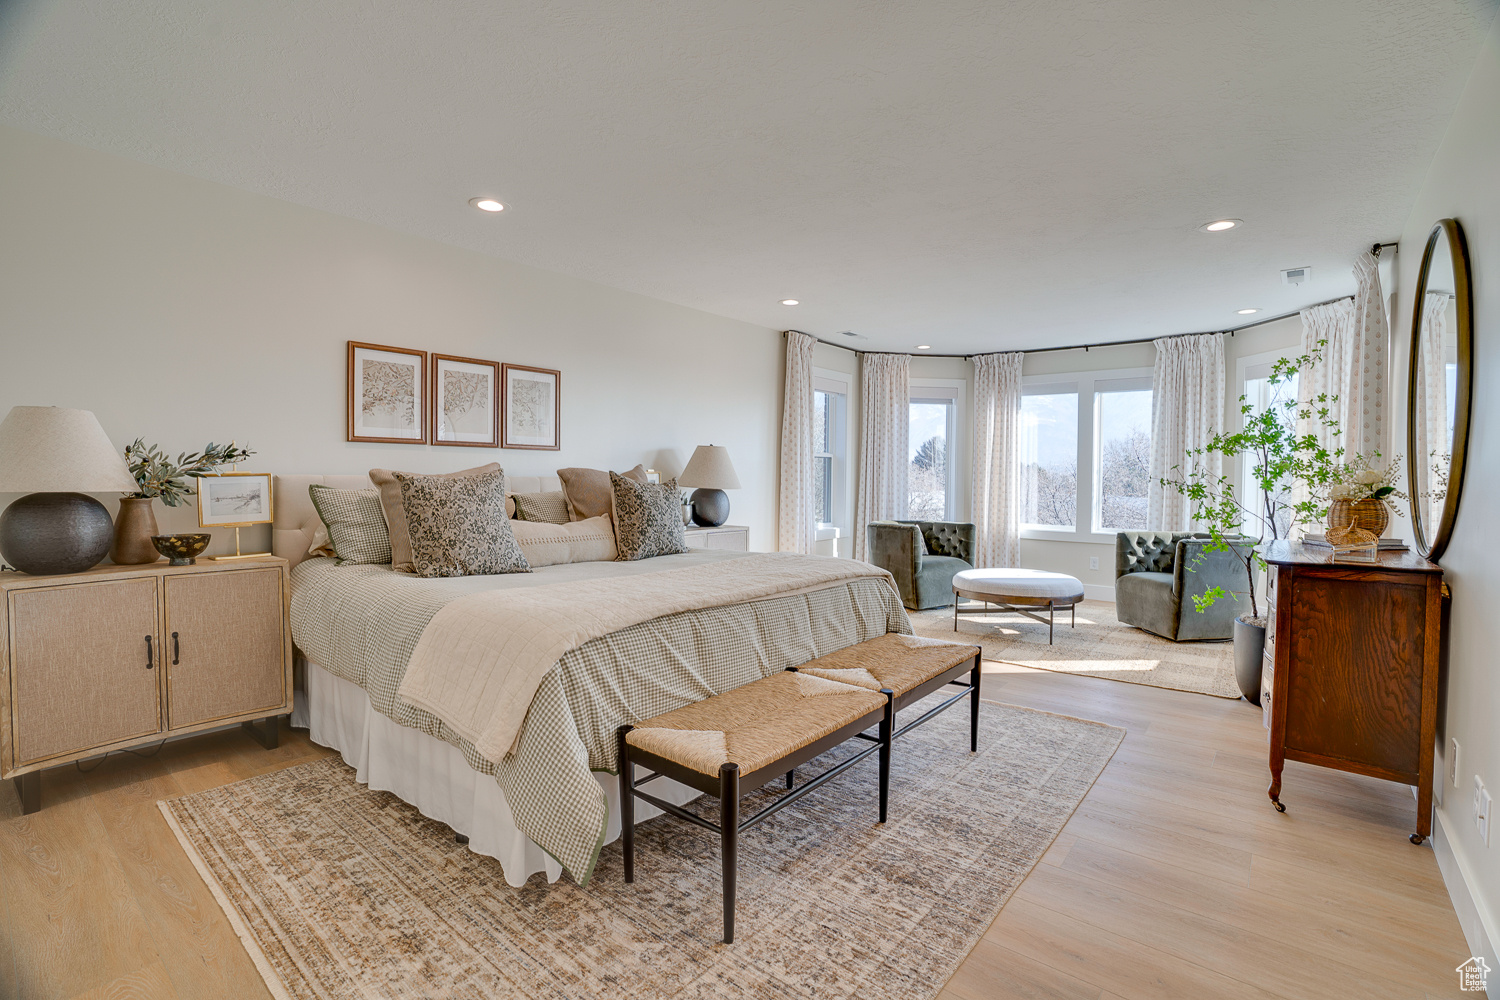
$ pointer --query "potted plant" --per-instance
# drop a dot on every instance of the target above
(1268, 502)
(161, 478)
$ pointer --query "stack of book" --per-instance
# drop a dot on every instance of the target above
(1384, 544)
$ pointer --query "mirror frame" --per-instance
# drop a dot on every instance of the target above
(1458, 250)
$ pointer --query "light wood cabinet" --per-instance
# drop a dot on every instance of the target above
(121, 656)
(727, 537)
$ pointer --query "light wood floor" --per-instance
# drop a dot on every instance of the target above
(1175, 878)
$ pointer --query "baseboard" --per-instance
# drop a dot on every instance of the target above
(1098, 592)
(1477, 923)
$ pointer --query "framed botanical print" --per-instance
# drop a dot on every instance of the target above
(387, 394)
(532, 407)
(465, 401)
(234, 499)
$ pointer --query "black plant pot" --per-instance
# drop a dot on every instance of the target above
(1249, 648)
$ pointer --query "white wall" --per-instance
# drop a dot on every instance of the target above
(1462, 183)
(185, 311)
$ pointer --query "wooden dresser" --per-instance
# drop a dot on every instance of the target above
(121, 656)
(1350, 679)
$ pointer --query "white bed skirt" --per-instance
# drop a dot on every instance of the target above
(434, 777)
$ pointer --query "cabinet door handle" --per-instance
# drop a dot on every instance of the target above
(148, 653)
(176, 650)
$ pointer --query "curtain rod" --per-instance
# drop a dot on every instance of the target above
(1089, 347)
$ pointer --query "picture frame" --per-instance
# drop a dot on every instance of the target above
(235, 499)
(531, 408)
(465, 402)
(387, 394)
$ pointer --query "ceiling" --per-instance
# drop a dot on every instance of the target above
(971, 175)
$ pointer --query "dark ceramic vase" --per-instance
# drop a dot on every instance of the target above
(49, 533)
(133, 530)
(1249, 648)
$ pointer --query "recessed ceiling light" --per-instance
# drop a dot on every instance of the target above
(789, 302)
(924, 347)
(487, 204)
(1220, 226)
(1246, 312)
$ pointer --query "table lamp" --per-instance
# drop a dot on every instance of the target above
(710, 472)
(53, 454)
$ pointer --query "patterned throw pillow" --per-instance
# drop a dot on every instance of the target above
(395, 517)
(458, 527)
(549, 507)
(356, 527)
(589, 491)
(648, 518)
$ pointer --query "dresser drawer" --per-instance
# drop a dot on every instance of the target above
(1267, 689)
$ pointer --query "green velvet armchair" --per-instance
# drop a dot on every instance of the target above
(1157, 575)
(922, 556)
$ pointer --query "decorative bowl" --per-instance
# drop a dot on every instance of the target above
(181, 550)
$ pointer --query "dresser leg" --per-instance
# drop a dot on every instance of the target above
(1424, 812)
(267, 732)
(29, 791)
(1275, 790)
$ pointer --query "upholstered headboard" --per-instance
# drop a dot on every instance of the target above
(296, 520)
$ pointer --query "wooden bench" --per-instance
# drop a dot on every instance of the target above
(738, 741)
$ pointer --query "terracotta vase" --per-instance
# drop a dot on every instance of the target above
(133, 530)
(1370, 514)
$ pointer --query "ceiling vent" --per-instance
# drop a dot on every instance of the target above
(1296, 275)
(851, 333)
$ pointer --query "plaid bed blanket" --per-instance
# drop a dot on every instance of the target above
(362, 623)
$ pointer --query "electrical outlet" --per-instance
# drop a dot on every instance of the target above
(1093, 562)
(1453, 772)
(1482, 811)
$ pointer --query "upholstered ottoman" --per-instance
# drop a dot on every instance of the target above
(1018, 590)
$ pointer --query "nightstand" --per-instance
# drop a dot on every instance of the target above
(121, 656)
(729, 537)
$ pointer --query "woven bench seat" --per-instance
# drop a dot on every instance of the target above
(737, 741)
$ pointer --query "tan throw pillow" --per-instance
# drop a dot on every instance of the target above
(458, 525)
(395, 517)
(589, 492)
(549, 508)
(648, 518)
(543, 544)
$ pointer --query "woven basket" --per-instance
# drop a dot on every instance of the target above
(1370, 514)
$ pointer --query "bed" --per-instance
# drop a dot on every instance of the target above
(547, 802)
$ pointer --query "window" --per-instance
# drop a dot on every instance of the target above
(1049, 457)
(1122, 463)
(930, 476)
(830, 447)
(1094, 423)
(1260, 394)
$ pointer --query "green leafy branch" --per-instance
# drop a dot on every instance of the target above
(157, 475)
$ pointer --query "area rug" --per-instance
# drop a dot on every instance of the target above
(1100, 646)
(341, 892)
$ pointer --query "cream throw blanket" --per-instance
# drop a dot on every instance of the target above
(481, 658)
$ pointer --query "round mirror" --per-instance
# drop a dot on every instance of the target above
(1437, 410)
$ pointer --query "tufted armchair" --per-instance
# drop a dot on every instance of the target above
(922, 556)
(1157, 575)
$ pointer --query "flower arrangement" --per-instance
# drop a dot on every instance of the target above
(159, 476)
(1358, 479)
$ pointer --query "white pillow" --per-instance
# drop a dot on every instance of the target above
(547, 544)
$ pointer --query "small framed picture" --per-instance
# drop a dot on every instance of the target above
(387, 387)
(465, 401)
(234, 499)
(652, 476)
(532, 408)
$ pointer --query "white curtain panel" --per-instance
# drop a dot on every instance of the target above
(885, 421)
(1432, 417)
(1187, 410)
(997, 459)
(1353, 365)
(796, 500)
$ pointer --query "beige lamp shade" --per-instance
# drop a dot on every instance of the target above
(49, 449)
(709, 469)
